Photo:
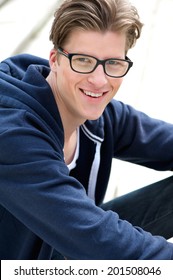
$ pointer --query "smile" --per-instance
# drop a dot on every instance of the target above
(92, 94)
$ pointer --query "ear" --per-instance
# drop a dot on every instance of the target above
(53, 60)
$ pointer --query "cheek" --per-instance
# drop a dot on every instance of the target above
(116, 84)
(65, 82)
(67, 74)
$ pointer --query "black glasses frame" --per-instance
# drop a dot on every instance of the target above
(99, 61)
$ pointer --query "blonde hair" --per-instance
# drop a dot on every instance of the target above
(96, 15)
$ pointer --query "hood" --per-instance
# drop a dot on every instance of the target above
(17, 66)
(23, 85)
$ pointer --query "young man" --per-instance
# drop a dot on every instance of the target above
(59, 130)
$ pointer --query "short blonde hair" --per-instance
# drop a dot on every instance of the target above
(96, 15)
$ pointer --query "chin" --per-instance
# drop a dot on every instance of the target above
(93, 118)
(94, 115)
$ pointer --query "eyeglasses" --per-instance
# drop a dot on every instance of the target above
(85, 64)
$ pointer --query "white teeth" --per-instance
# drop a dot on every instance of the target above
(92, 94)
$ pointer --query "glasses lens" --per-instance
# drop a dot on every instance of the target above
(115, 67)
(83, 63)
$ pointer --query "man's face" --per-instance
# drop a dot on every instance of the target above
(85, 96)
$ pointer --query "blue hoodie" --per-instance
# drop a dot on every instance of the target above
(44, 206)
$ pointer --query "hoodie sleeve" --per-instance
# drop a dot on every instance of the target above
(139, 138)
(36, 188)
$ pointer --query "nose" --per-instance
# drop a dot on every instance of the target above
(98, 77)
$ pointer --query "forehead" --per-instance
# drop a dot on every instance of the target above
(103, 45)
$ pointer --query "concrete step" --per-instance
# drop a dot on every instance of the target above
(21, 21)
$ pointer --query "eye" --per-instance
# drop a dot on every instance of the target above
(112, 62)
(83, 59)
(118, 64)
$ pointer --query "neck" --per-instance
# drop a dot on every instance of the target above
(70, 143)
(70, 124)
(69, 121)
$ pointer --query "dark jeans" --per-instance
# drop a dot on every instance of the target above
(150, 207)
